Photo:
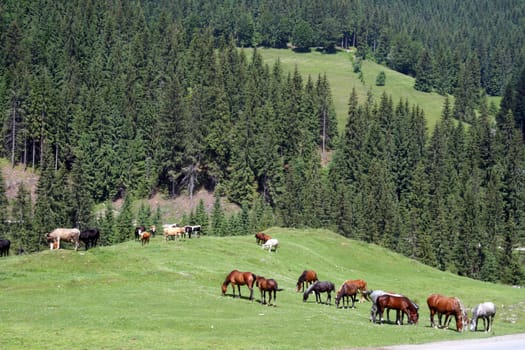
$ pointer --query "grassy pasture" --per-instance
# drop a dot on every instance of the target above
(338, 68)
(167, 296)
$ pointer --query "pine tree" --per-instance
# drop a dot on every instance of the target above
(218, 220)
(124, 222)
(22, 228)
(424, 73)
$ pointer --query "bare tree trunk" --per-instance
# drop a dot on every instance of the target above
(34, 154)
(25, 152)
(13, 134)
(324, 135)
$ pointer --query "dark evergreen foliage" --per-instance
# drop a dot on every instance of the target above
(118, 100)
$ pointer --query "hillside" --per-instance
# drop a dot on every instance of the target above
(338, 68)
(167, 295)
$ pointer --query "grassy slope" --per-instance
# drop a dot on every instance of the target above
(339, 71)
(167, 296)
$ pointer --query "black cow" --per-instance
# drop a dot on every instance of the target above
(90, 237)
(188, 230)
(5, 244)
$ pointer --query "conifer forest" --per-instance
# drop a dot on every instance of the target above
(114, 99)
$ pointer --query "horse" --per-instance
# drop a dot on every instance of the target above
(372, 295)
(90, 237)
(307, 277)
(270, 286)
(153, 230)
(346, 291)
(320, 287)
(173, 232)
(5, 244)
(138, 231)
(400, 303)
(144, 237)
(271, 244)
(66, 234)
(238, 278)
(447, 306)
(361, 287)
(193, 229)
(485, 311)
(261, 237)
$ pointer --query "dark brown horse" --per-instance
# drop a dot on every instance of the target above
(238, 278)
(448, 306)
(261, 237)
(318, 288)
(267, 285)
(399, 303)
(307, 277)
(346, 291)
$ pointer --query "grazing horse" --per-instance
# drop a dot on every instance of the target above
(238, 278)
(485, 311)
(261, 237)
(5, 244)
(447, 306)
(271, 244)
(401, 303)
(138, 231)
(144, 237)
(270, 286)
(173, 232)
(189, 230)
(307, 277)
(346, 291)
(320, 287)
(361, 287)
(372, 295)
(90, 237)
(65, 234)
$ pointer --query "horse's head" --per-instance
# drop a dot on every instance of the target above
(224, 288)
(413, 317)
(305, 296)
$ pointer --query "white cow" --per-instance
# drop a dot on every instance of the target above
(271, 244)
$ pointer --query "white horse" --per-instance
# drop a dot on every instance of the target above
(271, 244)
(485, 311)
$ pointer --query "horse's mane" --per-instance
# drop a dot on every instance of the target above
(302, 277)
(309, 290)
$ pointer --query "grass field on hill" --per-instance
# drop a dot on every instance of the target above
(166, 295)
(339, 71)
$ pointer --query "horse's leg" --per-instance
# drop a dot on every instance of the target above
(432, 313)
(329, 299)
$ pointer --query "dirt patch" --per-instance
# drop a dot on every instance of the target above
(14, 177)
(171, 208)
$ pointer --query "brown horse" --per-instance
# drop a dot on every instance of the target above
(347, 290)
(361, 288)
(270, 286)
(261, 237)
(307, 277)
(238, 278)
(399, 303)
(144, 237)
(448, 306)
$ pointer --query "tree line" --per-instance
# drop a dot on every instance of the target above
(111, 100)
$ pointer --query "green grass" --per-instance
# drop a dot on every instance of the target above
(338, 68)
(167, 296)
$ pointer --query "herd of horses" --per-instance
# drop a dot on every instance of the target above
(438, 305)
